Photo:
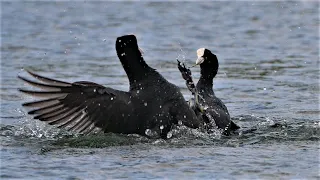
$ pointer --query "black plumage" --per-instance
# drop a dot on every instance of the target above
(214, 107)
(151, 103)
(213, 110)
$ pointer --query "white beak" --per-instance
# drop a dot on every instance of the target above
(199, 60)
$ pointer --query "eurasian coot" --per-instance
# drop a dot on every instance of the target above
(213, 110)
(151, 104)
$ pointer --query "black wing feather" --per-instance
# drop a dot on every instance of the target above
(80, 106)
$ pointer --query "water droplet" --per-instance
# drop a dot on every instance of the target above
(70, 32)
(104, 40)
(264, 89)
(99, 104)
(145, 104)
(169, 135)
(138, 91)
(180, 123)
(160, 106)
(123, 54)
(94, 90)
(184, 116)
(119, 40)
(161, 127)
(111, 98)
(75, 37)
(148, 132)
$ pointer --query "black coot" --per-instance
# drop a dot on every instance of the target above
(152, 103)
(206, 103)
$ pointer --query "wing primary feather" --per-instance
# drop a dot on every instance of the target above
(41, 85)
(83, 120)
(45, 109)
(48, 94)
(49, 80)
(62, 104)
(65, 124)
(89, 129)
(64, 116)
(41, 103)
(52, 113)
(92, 130)
(85, 126)
(79, 123)
(92, 119)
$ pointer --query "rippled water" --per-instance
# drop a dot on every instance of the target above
(268, 78)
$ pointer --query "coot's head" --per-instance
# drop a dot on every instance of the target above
(208, 62)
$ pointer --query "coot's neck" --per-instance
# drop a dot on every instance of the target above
(209, 69)
(204, 85)
(131, 59)
(134, 65)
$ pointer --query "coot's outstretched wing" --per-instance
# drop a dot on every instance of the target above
(83, 107)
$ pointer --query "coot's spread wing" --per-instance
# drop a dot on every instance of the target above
(83, 107)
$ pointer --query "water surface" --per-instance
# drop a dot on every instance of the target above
(268, 79)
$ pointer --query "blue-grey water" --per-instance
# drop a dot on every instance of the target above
(268, 79)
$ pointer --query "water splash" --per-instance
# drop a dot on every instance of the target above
(151, 133)
(254, 130)
(182, 54)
